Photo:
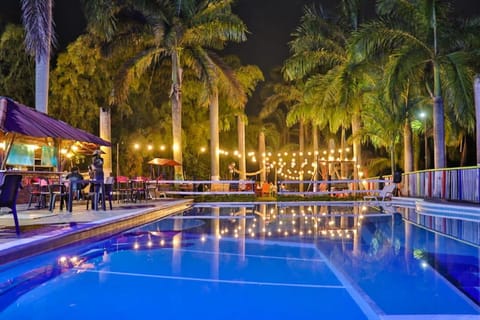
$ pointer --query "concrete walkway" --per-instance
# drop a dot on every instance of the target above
(42, 230)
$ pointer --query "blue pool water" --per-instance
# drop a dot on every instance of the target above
(263, 261)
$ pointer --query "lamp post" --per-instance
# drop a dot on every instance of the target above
(423, 115)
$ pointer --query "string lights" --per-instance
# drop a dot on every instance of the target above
(287, 165)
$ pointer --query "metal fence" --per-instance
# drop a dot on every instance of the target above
(458, 184)
(454, 184)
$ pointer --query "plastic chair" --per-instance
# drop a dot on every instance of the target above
(150, 188)
(8, 196)
(57, 190)
(265, 189)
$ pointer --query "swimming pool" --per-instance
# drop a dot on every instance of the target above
(266, 261)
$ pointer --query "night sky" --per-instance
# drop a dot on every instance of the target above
(270, 23)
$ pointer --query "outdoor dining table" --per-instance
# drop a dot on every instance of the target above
(98, 191)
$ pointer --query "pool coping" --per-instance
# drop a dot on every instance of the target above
(81, 231)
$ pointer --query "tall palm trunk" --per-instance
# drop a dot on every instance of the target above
(261, 152)
(315, 152)
(42, 70)
(463, 151)
(106, 134)
(242, 166)
(407, 152)
(438, 129)
(438, 114)
(357, 148)
(214, 137)
(301, 141)
(343, 166)
(392, 157)
(476, 87)
(37, 20)
(176, 100)
(407, 147)
(438, 143)
(42, 66)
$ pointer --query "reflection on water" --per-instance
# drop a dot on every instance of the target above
(464, 230)
(376, 248)
(379, 251)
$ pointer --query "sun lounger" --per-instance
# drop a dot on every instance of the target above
(385, 194)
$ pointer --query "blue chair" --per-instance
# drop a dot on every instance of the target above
(8, 195)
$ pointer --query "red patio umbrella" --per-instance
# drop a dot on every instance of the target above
(164, 162)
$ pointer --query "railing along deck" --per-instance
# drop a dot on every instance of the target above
(231, 187)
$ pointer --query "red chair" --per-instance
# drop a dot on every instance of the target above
(38, 189)
(265, 189)
(123, 189)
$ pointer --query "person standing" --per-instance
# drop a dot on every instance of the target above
(96, 168)
(96, 174)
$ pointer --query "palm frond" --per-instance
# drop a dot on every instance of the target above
(132, 70)
(37, 19)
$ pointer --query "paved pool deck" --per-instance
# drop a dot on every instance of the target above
(43, 230)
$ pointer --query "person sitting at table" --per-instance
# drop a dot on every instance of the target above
(77, 188)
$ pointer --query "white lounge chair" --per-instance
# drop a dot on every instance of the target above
(382, 195)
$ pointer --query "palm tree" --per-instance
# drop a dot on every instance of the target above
(290, 95)
(248, 77)
(38, 23)
(416, 39)
(182, 31)
(222, 80)
(320, 56)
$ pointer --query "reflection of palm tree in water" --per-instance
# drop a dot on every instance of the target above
(380, 249)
